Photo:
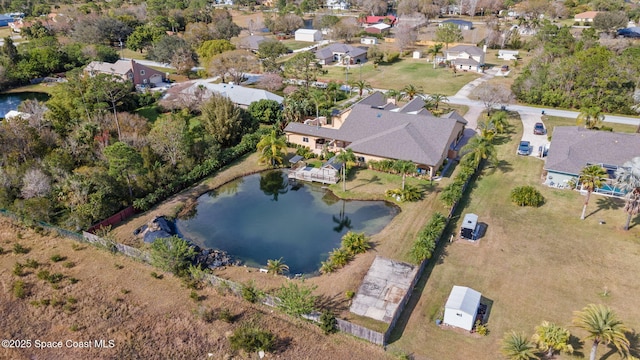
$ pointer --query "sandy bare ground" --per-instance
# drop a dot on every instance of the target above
(116, 298)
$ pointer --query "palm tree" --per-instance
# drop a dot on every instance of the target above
(628, 179)
(348, 160)
(487, 130)
(499, 121)
(327, 266)
(437, 99)
(270, 147)
(395, 94)
(479, 149)
(318, 97)
(361, 85)
(404, 167)
(591, 177)
(340, 257)
(277, 267)
(516, 346)
(551, 338)
(411, 91)
(591, 117)
(355, 243)
(435, 50)
(603, 327)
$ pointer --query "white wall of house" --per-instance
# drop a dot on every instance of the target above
(308, 35)
(459, 318)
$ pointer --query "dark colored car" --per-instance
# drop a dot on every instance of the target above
(538, 129)
(524, 148)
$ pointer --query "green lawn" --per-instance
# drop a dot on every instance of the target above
(406, 71)
(552, 121)
(295, 45)
(151, 113)
(534, 264)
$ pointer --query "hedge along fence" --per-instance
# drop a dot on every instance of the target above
(200, 171)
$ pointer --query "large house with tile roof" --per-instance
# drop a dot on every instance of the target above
(203, 89)
(375, 129)
(342, 54)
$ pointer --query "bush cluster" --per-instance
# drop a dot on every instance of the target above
(200, 171)
(410, 193)
(351, 245)
(526, 196)
(428, 237)
(251, 338)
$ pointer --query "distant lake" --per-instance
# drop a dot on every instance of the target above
(10, 102)
(263, 216)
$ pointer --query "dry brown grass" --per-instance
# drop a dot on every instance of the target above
(535, 264)
(147, 318)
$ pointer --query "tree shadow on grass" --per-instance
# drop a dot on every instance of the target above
(373, 180)
(634, 350)
(502, 166)
(576, 343)
(607, 203)
(282, 343)
(635, 222)
(335, 303)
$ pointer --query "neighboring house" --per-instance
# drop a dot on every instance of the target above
(461, 308)
(380, 28)
(5, 20)
(375, 129)
(460, 24)
(338, 4)
(130, 70)
(239, 95)
(252, 42)
(466, 57)
(388, 19)
(308, 35)
(508, 54)
(369, 41)
(572, 148)
(586, 16)
(341, 54)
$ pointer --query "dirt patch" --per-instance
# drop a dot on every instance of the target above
(109, 297)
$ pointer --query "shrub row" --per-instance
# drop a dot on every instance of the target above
(424, 245)
(200, 171)
(452, 193)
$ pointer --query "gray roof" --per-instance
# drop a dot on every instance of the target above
(338, 48)
(454, 115)
(238, 94)
(469, 49)
(414, 105)
(253, 42)
(418, 138)
(573, 147)
(375, 99)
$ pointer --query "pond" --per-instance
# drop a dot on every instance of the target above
(262, 216)
(11, 101)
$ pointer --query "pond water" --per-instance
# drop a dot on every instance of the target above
(262, 216)
(10, 102)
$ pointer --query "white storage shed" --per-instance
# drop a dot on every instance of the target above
(308, 35)
(508, 54)
(462, 307)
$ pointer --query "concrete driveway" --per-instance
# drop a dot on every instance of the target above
(528, 121)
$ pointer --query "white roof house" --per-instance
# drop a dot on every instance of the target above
(239, 95)
(462, 307)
